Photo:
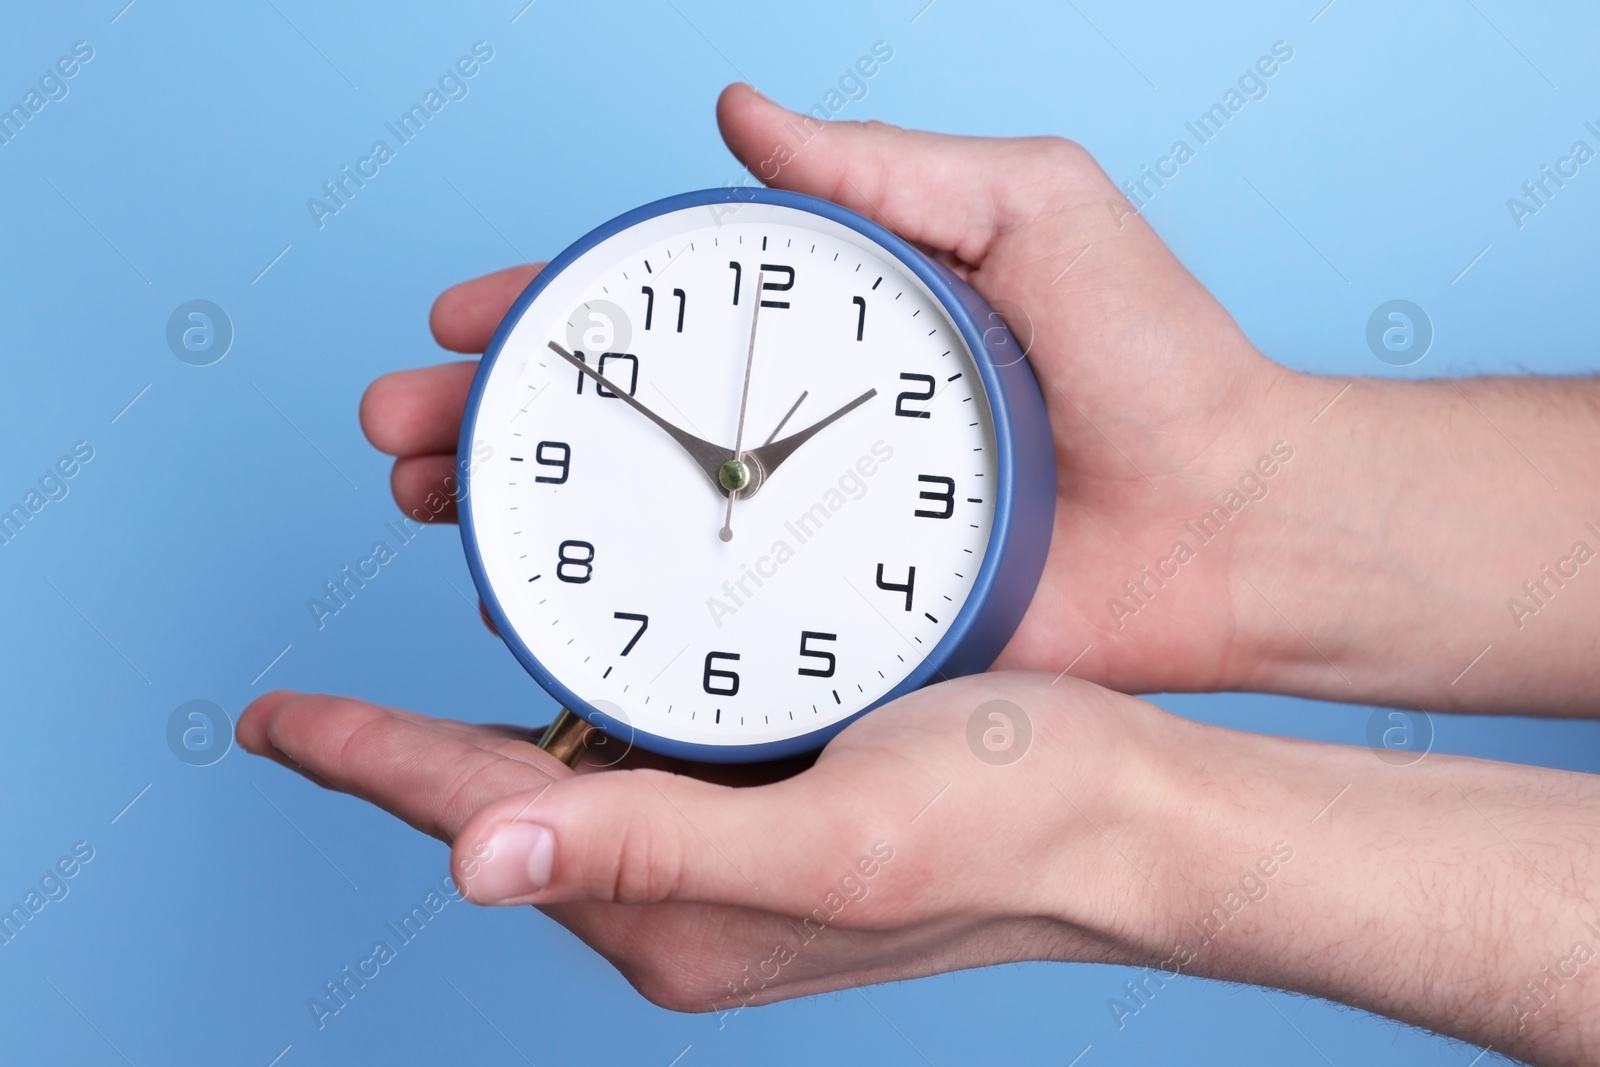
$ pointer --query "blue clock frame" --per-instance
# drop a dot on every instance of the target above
(1024, 514)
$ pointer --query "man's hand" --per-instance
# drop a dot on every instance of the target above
(1222, 522)
(1159, 403)
(899, 853)
(1433, 893)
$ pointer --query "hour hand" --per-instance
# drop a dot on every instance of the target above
(707, 456)
(768, 457)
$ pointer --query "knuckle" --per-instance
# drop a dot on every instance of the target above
(1062, 175)
(470, 782)
(1059, 161)
(357, 725)
(647, 861)
(1062, 151)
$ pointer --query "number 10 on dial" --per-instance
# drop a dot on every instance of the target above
(742, 465)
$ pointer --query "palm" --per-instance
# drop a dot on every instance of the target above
(904, 775)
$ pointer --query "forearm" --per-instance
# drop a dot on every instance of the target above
(1448, 894)
(1438, 544)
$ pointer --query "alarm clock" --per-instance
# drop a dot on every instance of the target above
(742, 465)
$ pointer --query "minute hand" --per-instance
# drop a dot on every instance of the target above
(768, 457)
(707, 456)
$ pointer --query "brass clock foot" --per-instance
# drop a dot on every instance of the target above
(564, 739)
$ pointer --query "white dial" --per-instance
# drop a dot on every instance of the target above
(616, 552)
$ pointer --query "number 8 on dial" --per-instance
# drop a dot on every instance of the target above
(808, 484)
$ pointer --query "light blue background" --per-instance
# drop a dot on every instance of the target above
(181, 162)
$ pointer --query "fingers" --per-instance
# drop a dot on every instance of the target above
(250, 733)
(431, 774)
(954, 194)
(425, 487)
(417, 412)
(646, 836)
(465, 316)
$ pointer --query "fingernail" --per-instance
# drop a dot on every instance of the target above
(520, 857)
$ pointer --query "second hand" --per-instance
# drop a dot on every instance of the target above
(773, 436)
(734, 475)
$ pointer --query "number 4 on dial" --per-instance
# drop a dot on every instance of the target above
(896, 587)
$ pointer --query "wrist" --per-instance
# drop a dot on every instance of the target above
(1381, 569)
(1171, 855)
(1300, 535)
(1431, 893)
(1225, 837)
(1284, 862)
(1242, 533)
(1443, 893)
(1113, 864)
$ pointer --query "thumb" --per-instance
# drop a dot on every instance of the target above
(948, 193)
(645, 836)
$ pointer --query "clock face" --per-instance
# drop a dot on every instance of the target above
(604, 536)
